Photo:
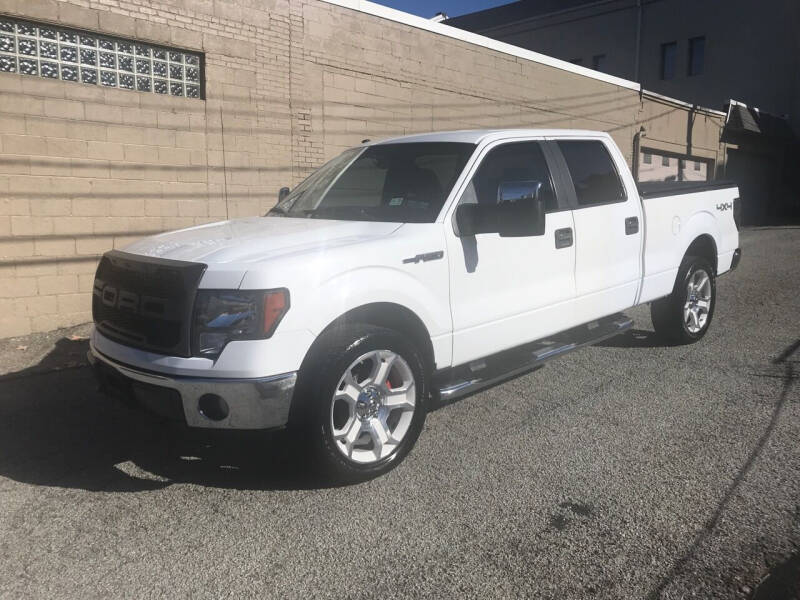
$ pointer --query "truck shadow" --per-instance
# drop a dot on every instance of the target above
(635, 338)
(57, 430)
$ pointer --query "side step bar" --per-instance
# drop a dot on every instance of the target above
(462, 380)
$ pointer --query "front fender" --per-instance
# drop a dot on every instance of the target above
(423, 291)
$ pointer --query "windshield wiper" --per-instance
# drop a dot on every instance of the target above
(277, 210)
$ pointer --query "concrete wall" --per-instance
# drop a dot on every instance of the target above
(288, 84)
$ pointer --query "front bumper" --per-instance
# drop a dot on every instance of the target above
(261, 403)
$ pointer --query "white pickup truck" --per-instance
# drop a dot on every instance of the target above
(402, 272)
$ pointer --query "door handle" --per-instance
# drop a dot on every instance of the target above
(563, 238)
(631, 225)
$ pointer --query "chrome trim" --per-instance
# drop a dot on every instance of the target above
(259, 403)
(611, 327)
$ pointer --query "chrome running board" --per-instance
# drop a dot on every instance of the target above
(463, 380)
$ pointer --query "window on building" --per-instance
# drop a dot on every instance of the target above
(697, 54)
(593, 172)
(599, 62)
(672, 167)
(58, 53)
(669, 52)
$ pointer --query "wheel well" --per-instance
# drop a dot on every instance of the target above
(396, 317)
(705, 247)
(381, 314)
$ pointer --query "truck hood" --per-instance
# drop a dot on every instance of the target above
(256, 239)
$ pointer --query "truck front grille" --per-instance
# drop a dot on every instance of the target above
(146, 302)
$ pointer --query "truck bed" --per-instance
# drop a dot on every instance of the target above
(676, 213)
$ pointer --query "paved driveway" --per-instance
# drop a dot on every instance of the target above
(626, 470)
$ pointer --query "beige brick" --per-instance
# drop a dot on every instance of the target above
(11, 248)
(188, 139)
(54, 247)
(184, 38)
(73, 225)
(28, 226)
(140, 154)
(48, 207)
(155, 32)
(70, 14)
(12, 123)
(140, 117)
(117, 24)
(38, 86)
(171, 120)
(36, 306)
(16, 104)
(126, 207)
(105, 150)
(14, 326)
(66, 147)
(174, 156)
(57, 284)
(86, 131)
(17, 287)
(104, 113)
(161, 207)
(192, 208)
(86, 281)
(74, 303)
(44, 127)
(24, 144)
(92, 246)
(63, 109)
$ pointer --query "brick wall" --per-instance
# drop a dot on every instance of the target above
(288, 84)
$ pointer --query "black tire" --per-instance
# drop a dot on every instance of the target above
(318, 380)
(668, 313)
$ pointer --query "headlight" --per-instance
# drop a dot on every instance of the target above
(222, 316)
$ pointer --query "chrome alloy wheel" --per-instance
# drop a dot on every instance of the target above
(698, 301)
(373, 406)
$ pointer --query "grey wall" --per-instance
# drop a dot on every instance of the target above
(752, 49)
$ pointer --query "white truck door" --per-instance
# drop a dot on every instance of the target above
(608, 227)
(505, 291)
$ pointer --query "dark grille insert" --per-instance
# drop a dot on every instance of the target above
(146, 302)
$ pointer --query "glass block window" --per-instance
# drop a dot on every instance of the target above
(58, 53)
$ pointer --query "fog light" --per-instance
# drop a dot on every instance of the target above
(212, 407)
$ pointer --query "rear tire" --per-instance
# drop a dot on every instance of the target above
(366, 394)
(684, 316)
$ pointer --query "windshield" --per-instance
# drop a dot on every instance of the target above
(402, 183)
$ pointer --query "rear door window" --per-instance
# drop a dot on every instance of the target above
(593, 173)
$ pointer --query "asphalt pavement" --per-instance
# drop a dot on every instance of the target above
(625, 470)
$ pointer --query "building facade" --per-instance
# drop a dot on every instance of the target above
(123, 118)
(706, 53)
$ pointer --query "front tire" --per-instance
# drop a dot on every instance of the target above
(684, 316)
(366, 402)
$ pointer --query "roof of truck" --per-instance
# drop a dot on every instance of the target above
(475, 136)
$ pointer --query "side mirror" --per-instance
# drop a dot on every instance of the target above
(284, 191)
(472, 219)
(519, 212)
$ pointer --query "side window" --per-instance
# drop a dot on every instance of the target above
(593, 172)
(519, 161)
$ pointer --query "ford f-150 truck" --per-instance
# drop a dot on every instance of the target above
(404, 272)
